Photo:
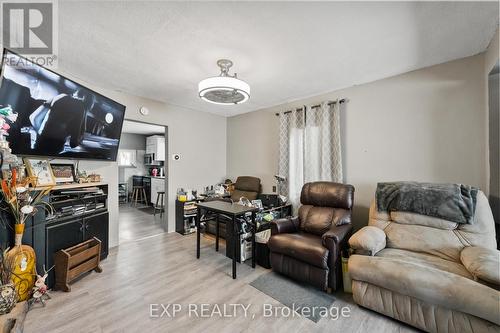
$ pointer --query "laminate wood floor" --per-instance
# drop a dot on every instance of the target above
(136, 223)
(164, 269)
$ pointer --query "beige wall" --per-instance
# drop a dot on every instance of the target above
(199, 137)
(426, 125)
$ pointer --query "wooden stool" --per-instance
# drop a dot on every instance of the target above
(162, 203)
(139, 195)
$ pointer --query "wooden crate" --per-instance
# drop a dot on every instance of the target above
(74, 261)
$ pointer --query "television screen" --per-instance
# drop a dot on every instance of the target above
(57, 117)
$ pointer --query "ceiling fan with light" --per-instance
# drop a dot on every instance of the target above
(224, 89)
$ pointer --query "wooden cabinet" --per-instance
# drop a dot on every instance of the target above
(156, 145)
(157, 185)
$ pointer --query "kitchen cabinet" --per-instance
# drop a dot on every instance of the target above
(157, 185)
(156, 145)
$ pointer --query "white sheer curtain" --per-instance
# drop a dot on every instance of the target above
(310, 148)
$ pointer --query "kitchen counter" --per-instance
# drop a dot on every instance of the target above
(157, 177)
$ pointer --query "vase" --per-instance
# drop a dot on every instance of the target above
(21, 259)
(18, 233)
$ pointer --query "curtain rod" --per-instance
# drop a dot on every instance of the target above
(343, 100)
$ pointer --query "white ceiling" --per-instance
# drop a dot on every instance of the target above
(134, 127)
(285, 51)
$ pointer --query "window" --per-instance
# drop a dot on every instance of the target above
(127, 158)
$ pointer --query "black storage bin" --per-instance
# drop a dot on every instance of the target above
(262, 255)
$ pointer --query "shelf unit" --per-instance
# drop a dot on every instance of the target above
(185, 216)
(123, 193)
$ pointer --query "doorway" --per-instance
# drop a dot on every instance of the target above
(142, 180)
(494, 145)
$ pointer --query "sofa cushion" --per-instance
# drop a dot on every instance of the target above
(318, 220)
(304, 247)
(248, 184)
(434, 236)
(426, 260)
(315, 220)
(327, 194)
(482, 263)
(438, 242)
(368, 240)
(423, 220)
(429, 284)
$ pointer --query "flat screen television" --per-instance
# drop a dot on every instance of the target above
(57, 117)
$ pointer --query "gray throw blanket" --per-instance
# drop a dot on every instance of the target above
(451, 202)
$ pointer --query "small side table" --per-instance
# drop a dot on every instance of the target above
(234, 211)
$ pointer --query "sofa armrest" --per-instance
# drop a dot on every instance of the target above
(368, 240)
(482, 263)
(336, 235)
(285, 225)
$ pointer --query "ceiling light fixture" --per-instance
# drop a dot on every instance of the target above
(224, 89)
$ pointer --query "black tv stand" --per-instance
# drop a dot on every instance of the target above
(80, 213)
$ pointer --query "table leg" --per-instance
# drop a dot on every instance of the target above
(235, 244)
(254, 227)
(198, 216)
(217, 232)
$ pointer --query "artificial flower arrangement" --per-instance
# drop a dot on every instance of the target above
(22, 198)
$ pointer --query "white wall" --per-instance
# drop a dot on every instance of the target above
(199, 137)
(426, 125)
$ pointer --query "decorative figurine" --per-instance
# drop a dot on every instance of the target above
(40, 290)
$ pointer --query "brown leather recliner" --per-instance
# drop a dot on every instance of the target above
(245, 186)
(308, 247)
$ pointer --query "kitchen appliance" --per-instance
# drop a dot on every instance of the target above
(149, 159)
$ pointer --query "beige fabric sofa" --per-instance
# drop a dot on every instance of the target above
(427, 272)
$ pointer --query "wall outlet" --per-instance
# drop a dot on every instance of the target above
(274, 189)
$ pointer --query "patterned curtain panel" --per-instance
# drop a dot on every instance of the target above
(310, 148)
